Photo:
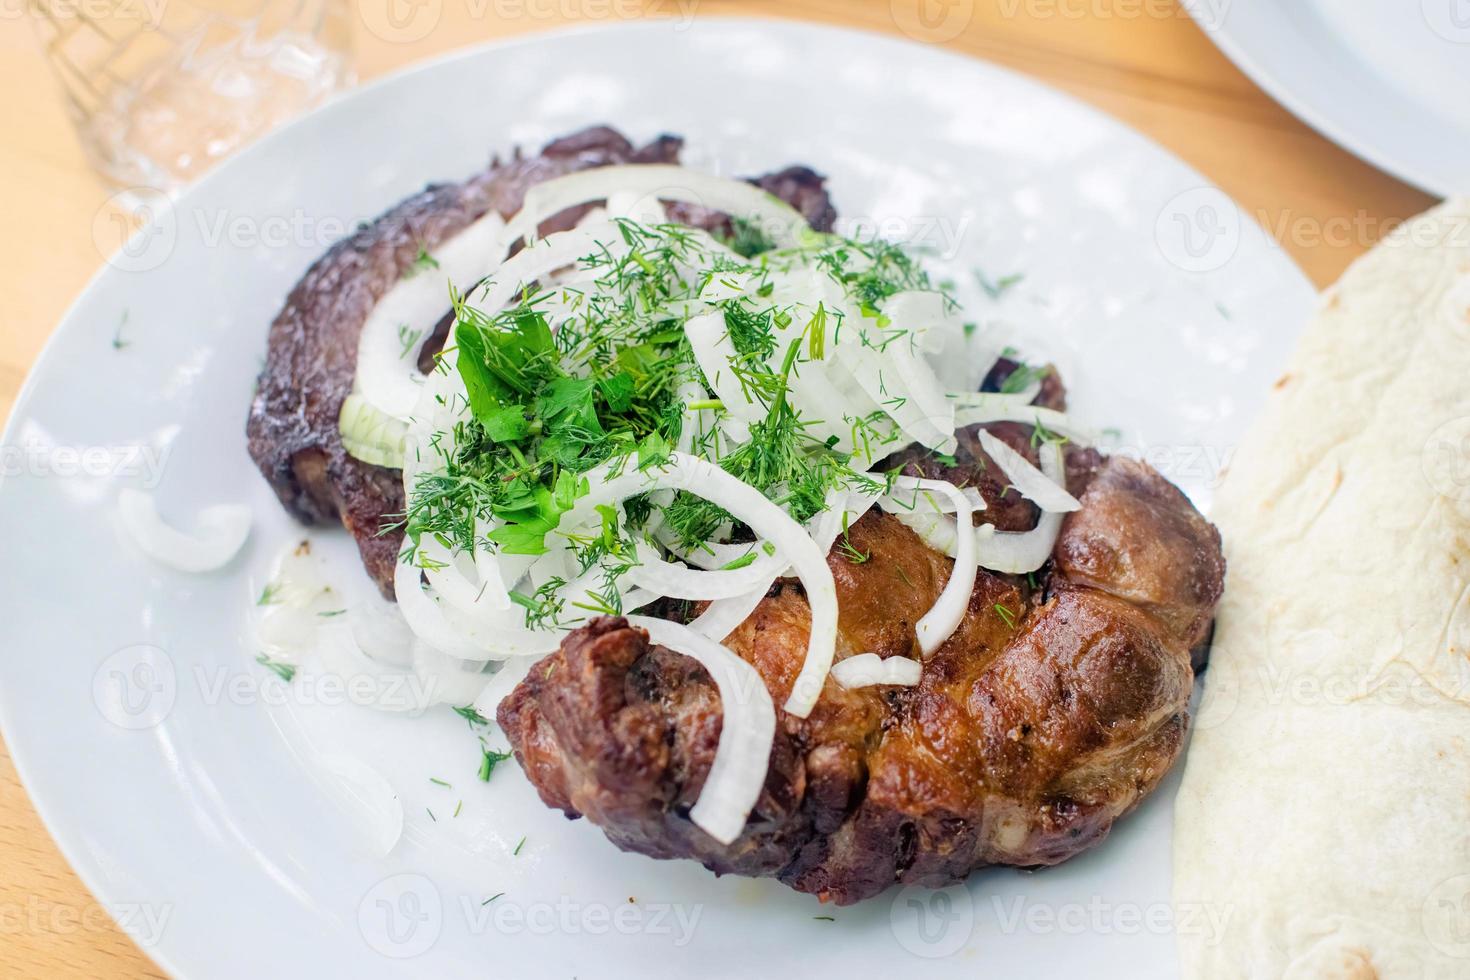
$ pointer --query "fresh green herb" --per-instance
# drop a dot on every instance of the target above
(848, 549)
(118, 343)
(746, 239)
(904, 575)
(431, 814)
(824, 918)
(1008, 617)
(489, 759)
(1023, 377)
(438, 782)
(492, 898)
(328, 614)
(519, 845)
(741, 562)
(469, 714)
(270, 595)
(408, 339)
(285, 672)
(458, 806)
(609, 386)
(1041, 435)
(816, 331)
(995, 290)
(421, 263)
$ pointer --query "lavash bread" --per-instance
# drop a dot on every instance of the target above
(1324, 815)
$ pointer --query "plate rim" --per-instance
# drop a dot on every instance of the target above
(1331, 124)
(68, 840)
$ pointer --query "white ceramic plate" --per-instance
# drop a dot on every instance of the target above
(182, 782)
(1387, 79)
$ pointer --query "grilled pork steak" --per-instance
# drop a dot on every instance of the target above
(312, 355)
(1054, 708)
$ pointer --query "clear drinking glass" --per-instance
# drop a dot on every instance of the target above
(160, 90)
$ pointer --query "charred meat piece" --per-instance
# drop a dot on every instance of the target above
(1058, 704)
(312, 355)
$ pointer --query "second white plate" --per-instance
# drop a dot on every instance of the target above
(1386, 79)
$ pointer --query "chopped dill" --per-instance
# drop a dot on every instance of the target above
(285, 672)
(849, 550)
(489, 759)
(408, 339)
(118, 343)
(421, 263)
(1008, 617)
(1022, 378)
(995, 290)
(613, 385)
(469, 714)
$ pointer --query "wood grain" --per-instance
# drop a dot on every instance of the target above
(1145, 63)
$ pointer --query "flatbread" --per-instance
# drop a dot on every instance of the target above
(1324, 816)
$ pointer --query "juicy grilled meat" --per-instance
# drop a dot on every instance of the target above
(312, 355)
(1049, 714)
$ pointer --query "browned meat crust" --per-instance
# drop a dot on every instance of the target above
(1032, 730)
(312, 354)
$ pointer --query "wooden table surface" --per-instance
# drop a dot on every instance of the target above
(1155, 70)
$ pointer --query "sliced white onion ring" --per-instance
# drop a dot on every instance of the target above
(678, 582)
(369, 798)
(748, 505)
(502, 682)
(746, 731)
(715, 353)
(1048, 418)
(222, 532)
(776, 219)
(460, 637)
(940, 622)
(387, 365)
(1019, 553)
(721, 617)
(869, 669)
(1030, 482)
